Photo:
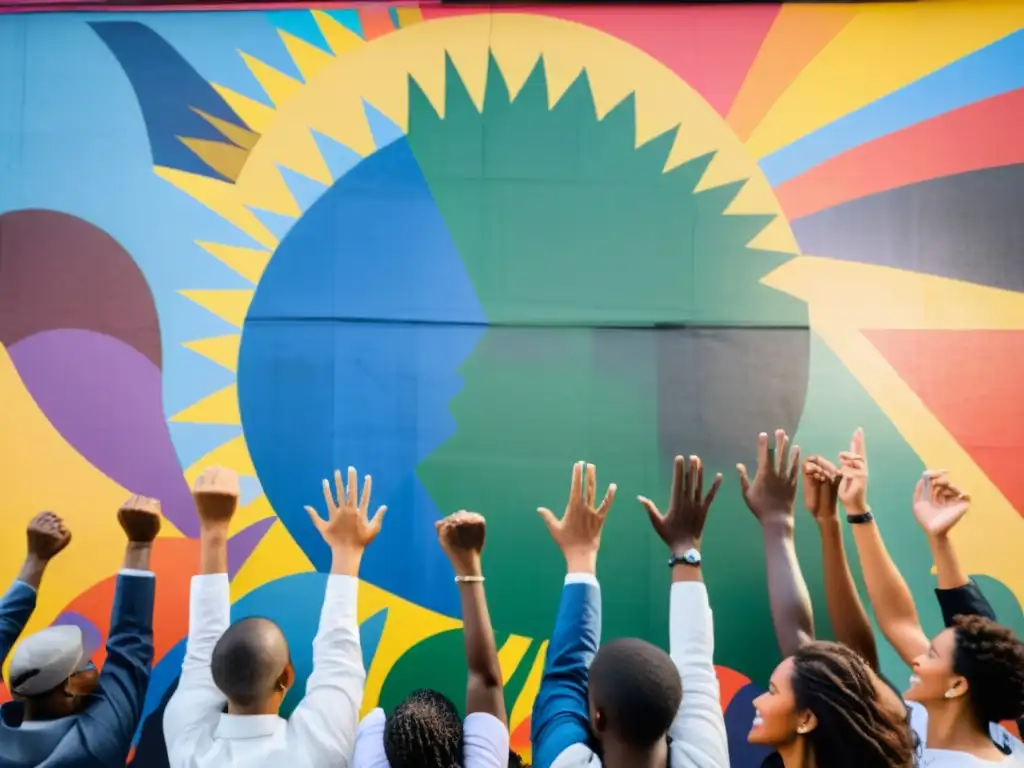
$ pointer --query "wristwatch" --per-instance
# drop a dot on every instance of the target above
(689, 557)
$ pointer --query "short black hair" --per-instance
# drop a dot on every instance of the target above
(637, 686)
(247, 660)
(424, 731)
(515, 761)
(991, 658)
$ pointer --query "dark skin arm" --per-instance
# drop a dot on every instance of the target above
(47, 537)
(845, 609)
(770, 496)
(462, 538)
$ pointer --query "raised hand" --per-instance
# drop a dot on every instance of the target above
(683, 525)
(853, 466)
(821, 487)
(461, 536)
(772, 493)
(578, 533)
(140, 519)
(47, 536)
(938, 504)
(216, 493)
(348, 525)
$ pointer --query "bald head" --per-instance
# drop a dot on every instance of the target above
(249, 661)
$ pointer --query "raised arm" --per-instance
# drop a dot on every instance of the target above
(699, 737)
(560, 718)
(845, 610)
(889, 594)
(112, 714)
(324, 723)
(939, 506)
(192, 712)
(47, 536)
(461, 536)
(771, 496)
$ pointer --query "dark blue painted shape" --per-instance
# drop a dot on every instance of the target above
(167, 88)
(739, 717)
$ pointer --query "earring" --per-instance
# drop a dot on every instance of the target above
(950, 693)
(801, 729)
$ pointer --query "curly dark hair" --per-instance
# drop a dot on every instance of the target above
(991, 658)
(424, 731)
(515, 761)
(854, 730)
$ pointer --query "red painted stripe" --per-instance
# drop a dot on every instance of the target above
(711, 47)
(981, 403)
(376, 22)
(985, 134)
(106, 6)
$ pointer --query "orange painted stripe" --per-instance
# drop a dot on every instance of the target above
(799, 33)
(376, 22)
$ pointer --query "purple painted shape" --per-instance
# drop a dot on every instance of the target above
(106, 399)
(92, 638)
(243, 543)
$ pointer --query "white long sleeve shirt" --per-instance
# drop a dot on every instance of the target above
(699, 737)
(320, 732)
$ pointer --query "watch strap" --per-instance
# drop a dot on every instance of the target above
(866, 517)
(689, 557)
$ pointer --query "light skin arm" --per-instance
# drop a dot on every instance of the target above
(888, 592)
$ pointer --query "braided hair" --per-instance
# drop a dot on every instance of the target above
(991, 658)
(424, 731)
(854, 730)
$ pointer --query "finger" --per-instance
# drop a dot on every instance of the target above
(591, 486)
(826, 465)
(857, 444)
(781, 453)
(339, 490)
(794, 467)
(576, 489)
(328, 496)
(364, 500)
(744, 480)
(714, 490)
(549, 519)
(926, 487)
(851, 459)
(695, 479)
(378, 518)
(315, 517)
(764, 454)
(607, 501)
(678, 482)
(352, 488)
(652, 512)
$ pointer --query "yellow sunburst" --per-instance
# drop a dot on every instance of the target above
(337, 100)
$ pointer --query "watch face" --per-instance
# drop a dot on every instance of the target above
(692, 556)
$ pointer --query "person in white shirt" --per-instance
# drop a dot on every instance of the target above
(630, 705)
(246, 667)
(425, 730)
(970, 676)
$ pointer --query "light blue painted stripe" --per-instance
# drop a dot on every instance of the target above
(349, 18)
(993, 70)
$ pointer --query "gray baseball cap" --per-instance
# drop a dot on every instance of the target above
(45, 660)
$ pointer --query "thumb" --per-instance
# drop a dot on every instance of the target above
(549, 519)
(318, 521)
(744, 480)
(378, 518)
(652, 511)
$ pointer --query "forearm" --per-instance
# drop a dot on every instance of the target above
(484, 689)
(213, 550)
(889, 594)
(136, 556)
(787, 591)
(947, 565)
(32, 571)
(845, 610)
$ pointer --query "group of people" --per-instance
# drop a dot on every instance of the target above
(623, 704)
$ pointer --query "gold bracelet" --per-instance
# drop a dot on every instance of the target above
(469, 579)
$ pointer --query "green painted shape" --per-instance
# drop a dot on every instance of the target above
(560, 219)
(439, 662)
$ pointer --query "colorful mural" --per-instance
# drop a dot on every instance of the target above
(461, 249)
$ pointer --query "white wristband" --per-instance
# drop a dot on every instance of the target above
(469, 579)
